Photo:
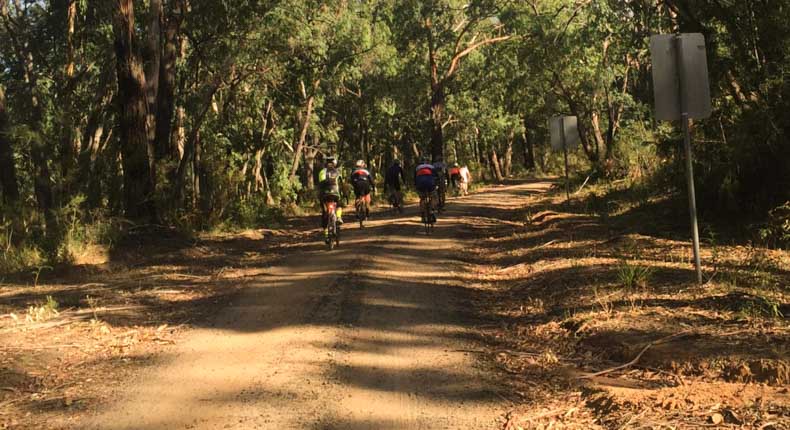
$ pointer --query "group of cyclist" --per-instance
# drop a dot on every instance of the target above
(430, 181)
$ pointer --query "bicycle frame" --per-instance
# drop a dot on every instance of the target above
(332, 228)
(361, 205)
(426, 210)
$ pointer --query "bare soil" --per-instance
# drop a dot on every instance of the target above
(515, 313)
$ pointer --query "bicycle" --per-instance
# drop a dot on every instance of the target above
(396, 200)
(333, 228)
(362, 209)
(442, 194)
(426, 211)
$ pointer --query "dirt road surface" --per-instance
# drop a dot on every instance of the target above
(373, 335)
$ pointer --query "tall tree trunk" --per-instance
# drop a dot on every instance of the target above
(8, 182)
(91, 141)
(152, 58)
(71, 20)
(508, 162)
(437, 119)
(165, 96)
(197, 175)
(70, 136)
(529, 150)
(257, 178)
(133, 112)
(269, 196)
(495, 168)
(179, 138)
(192, 143)
(309, 165)
(152, 55)
(437, 96)
(305, 126)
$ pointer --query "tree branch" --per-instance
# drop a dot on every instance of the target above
(454, 63)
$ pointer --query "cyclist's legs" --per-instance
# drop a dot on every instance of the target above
(423, 205)
(324, 212)
(395, 194)
(325, 199)
(362, 194)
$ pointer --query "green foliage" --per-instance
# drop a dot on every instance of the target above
(776, 231)
(262, 90)
(17, 258)
(759, 306)
(633, 276)
(255, 213)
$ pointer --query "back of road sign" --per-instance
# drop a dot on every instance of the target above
(691, 73)
(571, 132)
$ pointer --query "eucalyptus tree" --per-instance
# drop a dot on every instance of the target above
(444, 32)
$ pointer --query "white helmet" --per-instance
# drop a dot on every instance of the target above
(361, 164)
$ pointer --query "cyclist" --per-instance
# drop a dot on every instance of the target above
(362, 181)
(425, 181)
(329, 180)
(455, 175)
(393, 180)
(465, 180)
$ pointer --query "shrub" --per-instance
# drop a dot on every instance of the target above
(776, 231)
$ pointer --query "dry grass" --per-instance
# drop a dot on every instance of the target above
(611, 278)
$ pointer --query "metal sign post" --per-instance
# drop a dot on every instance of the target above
(564, 136)
(682, 92)
(565, 152)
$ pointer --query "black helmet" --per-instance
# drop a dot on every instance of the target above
(396, 162)
(425, 160)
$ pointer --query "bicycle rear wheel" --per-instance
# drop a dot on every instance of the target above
(359, 207)
(427, 212)
(332, 231)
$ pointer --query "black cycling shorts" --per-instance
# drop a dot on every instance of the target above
(361, 188)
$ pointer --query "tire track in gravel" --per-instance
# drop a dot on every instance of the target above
(368, 336)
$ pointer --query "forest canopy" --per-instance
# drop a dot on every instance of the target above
(195, 113)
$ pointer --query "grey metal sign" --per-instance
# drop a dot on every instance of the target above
(680, 76)
(564, 132)
(682, 92)
(571, 138)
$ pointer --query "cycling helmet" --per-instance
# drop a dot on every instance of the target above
(360, 164)
(425, 160)
(396, 162)
(456, 165)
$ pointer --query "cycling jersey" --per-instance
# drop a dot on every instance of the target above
(425, 178)
(425, 169)
(329, 181)
(362, 181)
(361, 175)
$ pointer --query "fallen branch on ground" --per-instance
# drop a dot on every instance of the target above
(638, 356)
(33, 348)
(529, 354)
(549, 243)
(68, 317)
(583, 185)
(550, 414)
